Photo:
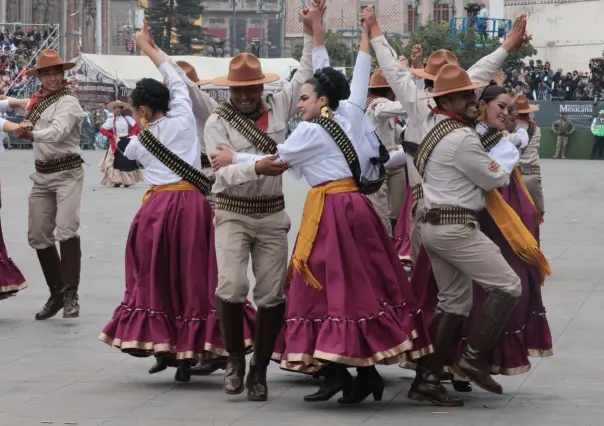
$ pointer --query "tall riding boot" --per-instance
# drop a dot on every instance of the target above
(484, 334)
(231, 327)
(427, 384)
(71, 263)
(51, 268)
(269, 322)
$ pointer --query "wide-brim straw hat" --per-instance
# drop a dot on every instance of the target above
(245, 69)
(523, 106)
(378, 80)
(121, 104)
(49, 58)
(451, 79)
(435, 62)
(192, 73)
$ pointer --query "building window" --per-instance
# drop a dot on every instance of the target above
(441, 13)
(411, 18)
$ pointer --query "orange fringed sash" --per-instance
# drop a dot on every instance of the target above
(518, 237)
(309, 227)
(182, 185)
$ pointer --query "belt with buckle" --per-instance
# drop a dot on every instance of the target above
(250, 205)
(69, 162)
(530, 170)
(450, 216)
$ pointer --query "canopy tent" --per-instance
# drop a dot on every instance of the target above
(128, 69)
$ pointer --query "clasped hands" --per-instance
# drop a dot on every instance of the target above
(24, 131)
(268, 166)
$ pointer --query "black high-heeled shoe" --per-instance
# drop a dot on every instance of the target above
(461, 386)
(337, 379)
(368, 382)
(161, 363)
(183, 371)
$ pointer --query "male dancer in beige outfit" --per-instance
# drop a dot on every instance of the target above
(457, 173)
(390, 197)
(53, 124)
(250, 217)
(421, 119)
(529, 156)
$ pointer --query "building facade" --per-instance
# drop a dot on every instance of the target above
(567, 33)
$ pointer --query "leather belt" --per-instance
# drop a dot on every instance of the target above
(449, 216)
(250, 205)
(530, 170)
(69, 162)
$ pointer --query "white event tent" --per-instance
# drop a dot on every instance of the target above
(128, 69)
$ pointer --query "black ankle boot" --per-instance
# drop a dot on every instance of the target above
(337, 378)
(183, 371)
(461, 386)
(205, 368)
(161, 363)
(368, 382)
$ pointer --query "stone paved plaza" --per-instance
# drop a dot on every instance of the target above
(57, 371)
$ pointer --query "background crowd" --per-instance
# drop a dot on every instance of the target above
(538, 81)
(18, 47)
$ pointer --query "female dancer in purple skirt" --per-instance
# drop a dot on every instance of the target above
(11, 278)
(527, 331)
(171, 273)
(349, 302)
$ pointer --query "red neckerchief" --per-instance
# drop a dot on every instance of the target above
(262, 121)
(526, 120)
(41, 94)
(437, 110)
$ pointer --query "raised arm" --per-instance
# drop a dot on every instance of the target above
(361, 73)
(180, 101)
(203, 104)
(401, 81)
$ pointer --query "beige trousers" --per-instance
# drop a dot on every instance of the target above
(379, 200)
(461, 254)
(54, 207)
(264, 237)
(416, 229)
(397, 187)
(533, 184)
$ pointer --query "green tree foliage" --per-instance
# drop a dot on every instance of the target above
(467, 46)
(172, 24)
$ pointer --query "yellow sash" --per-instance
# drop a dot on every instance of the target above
(518, 237)
(309, 226)
(183, 185)
(518, 176)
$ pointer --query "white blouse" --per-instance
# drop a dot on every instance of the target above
(4, 108)
(504, 152)
(122, 125)
(310, 151)
(177, 131)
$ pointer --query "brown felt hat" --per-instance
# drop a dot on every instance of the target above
(245, 70)
(435, 62)
(521, 102)
(378, 80)
(49, 58)
(191, 73)
(451, 79)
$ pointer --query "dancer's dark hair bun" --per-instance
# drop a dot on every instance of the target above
(151, 93)
(492, 91)
(332, 84)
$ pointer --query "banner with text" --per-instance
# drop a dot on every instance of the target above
(580, 113)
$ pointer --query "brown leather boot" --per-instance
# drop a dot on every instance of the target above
(487, 327)
(71, 261)
(51, 268)
(269, 322)
(427, 384)
(231, 327)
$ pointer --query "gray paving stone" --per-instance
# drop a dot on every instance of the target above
(58, 371)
